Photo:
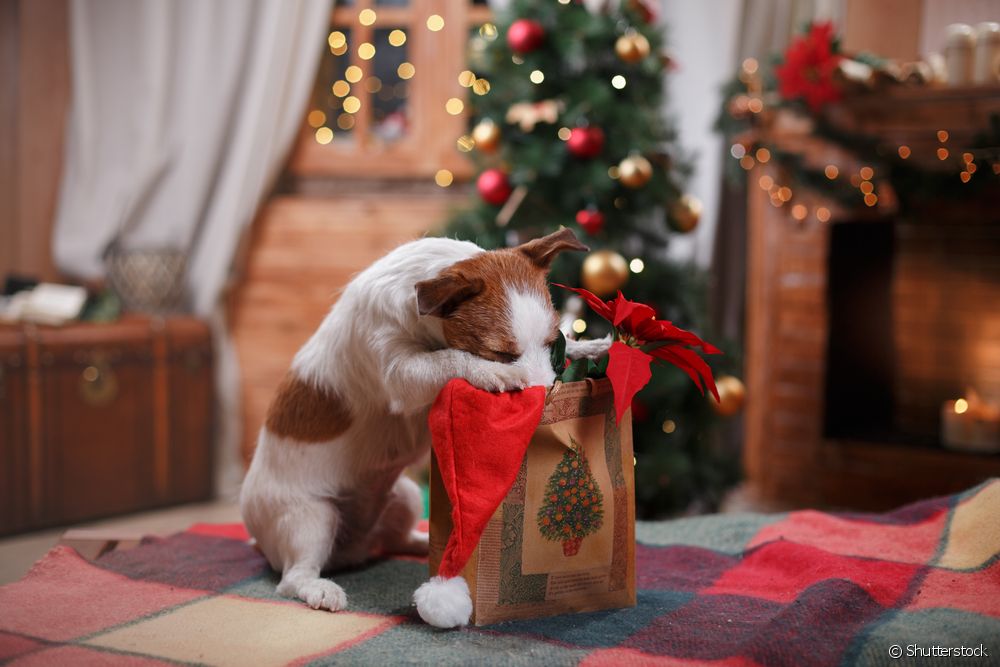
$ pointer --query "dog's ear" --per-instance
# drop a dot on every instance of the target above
(542, 251)
(442, 295)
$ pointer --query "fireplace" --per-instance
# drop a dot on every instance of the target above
(858, 331)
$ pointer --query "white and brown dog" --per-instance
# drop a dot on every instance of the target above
(325, 489)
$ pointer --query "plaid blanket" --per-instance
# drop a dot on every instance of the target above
(803, 588)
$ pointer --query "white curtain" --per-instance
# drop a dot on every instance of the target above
(181, 116)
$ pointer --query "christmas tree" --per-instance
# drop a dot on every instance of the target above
(568, 130)
(574, 505)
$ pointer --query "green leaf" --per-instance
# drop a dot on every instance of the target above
(576, 371)
(558, 355)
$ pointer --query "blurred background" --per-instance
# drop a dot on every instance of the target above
(810, 185)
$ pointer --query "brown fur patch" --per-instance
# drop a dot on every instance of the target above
(306, 413)
(479, 324)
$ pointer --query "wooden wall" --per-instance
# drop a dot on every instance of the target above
(304, 250)
(34, 98)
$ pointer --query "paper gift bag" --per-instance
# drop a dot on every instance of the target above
(563, 539)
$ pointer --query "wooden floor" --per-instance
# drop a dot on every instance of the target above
(304, 251)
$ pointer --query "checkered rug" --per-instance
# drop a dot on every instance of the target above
(803, 588)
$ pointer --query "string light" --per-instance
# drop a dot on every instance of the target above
(536, 76)
(397, 37)
(444, 178)
(341, 88)
(345, 121)
(579, 326)
(516, 59)
(831, 171)
(823, 214)
(564, 133)
(324, 135)
(636, 265)
(481, 86)
(406, 70)
(435, 22)
(968, 157)
(337, 39)
(866, 173)
(799, 212)
(353, 74)
(942, 135)
(366, 51)
(488, 31)
(747, 162)
(756, 105)
(467, 78)
(870, 199)
(765, 182)
(316, 118)
(942, 153)
(784, 193)
(669, 426)
(866, 187)
(454, 106)
(750, 65)
(965, 176)
(352, 104)
(763, 155)
(366, 17)
(618, 81)
(904, 152)
(613, 172)
(373, 84)
(737, 150)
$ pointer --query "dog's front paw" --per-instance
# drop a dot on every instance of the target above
(588, 349)
(493, 376)
(322, 594)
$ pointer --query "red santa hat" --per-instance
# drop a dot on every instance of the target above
(479, 439)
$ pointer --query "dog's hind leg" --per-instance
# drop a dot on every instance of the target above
(305, 537)
(396, 530)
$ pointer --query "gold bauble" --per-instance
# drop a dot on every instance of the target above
(685, 213)
(486, 134)
(632, 47)
(604, 272)
(732, 394)
(634, 171)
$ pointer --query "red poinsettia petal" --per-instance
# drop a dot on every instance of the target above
(628, 370)
(625, 309)
(662, 330)
(594, 301)
(689, 362)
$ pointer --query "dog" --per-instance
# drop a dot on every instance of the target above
(326, 488)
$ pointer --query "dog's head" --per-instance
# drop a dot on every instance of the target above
(496, 305)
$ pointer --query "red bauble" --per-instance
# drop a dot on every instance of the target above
(585, 142)
(591, 220)
(493, 186)
(525, 35)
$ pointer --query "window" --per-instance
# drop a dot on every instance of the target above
(387, 102)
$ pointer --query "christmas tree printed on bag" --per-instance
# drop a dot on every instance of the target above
(574, 505)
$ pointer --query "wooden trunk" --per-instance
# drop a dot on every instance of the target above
(102, 419)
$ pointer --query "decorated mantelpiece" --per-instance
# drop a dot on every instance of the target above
(533, 493)
(837, 132)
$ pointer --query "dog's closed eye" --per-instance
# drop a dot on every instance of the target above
(503, 357)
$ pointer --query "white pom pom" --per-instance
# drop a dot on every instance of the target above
(444, 603)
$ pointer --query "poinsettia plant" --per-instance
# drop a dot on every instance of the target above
(810, 62)
(640, 339)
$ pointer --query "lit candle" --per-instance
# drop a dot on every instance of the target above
(971, 424)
